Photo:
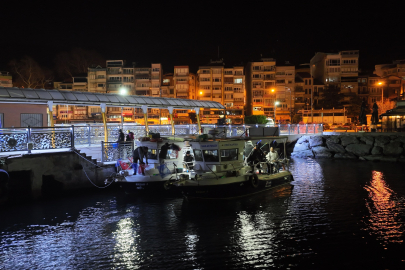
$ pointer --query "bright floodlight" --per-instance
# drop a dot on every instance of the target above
(201, 93)
(123, 91)
(272, 90)
(276, 102)
(380, 83)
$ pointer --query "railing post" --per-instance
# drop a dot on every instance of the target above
(88, 134)
(102, 151)
(72, 134)
(289, 129)
(298, 128)
(28, 139)
(306, 128)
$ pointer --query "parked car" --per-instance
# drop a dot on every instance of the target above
(348, 125)
(334, 125)
(326, 126)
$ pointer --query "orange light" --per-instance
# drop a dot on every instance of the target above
(201, 93)
(272, 90)
(380, 83)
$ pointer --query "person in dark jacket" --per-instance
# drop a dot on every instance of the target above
(138, 155)
(129, 137)
(256, 156)
(121, 136)
(163, 152)
(188, 159)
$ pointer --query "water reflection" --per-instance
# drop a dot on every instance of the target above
(384, 208)
(126, 252)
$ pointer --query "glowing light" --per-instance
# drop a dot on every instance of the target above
(380, 83)
(276, 103)
(272, 90)
(123, 91)
(200, 92)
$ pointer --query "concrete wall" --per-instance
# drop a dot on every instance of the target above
(12, 113)
(45, 174)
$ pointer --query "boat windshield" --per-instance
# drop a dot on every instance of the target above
(229, 154)
(198, 155)
(211, 155)
(152, 154)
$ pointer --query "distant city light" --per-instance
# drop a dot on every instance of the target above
(200, 92)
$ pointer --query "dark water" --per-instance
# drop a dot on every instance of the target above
(340, 215)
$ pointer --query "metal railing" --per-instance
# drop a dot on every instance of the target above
(113, 151)
(17, 139)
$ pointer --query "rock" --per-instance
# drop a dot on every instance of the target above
(344, 155)
(301, 147)
(362, 158)
(381, 140)
(335, 147)
(400, 139)
(303, 139)
(334, 139)
(393, 149)
(315, 141)
(401, 160)
(367, 139)
(380, 158)
(359, 149)
(321, 152)
(393, 137)
(302, 154)
(377, 150)
(348, 139)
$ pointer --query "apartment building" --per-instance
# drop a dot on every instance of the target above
(6, 80)
(304, 85)
(225, 85)
(261, 91)
(119, 76)
(284, 89)
(392, 79)
(340, 68)
(97, 79)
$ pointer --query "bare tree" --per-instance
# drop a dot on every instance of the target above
(76, 61)
(29, 73)
(383, 107)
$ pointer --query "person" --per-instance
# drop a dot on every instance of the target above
(121, 136)
(248, 149)
(130, 136)
(256, 156)
(163, 152)
(188, 159)
(272, 157)
(138, 155)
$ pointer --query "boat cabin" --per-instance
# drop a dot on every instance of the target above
(218, 155)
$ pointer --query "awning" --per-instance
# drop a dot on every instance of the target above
(58, 97)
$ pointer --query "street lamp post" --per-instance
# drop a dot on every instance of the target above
(275, 106)
(123, 92)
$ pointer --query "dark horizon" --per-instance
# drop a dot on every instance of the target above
(189, 34)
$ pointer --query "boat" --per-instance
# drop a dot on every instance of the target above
(156, 178)
(220, 171)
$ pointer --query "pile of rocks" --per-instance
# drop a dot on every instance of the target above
(364, 147)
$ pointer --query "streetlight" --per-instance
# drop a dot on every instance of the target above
(382, 93)
(275, 104)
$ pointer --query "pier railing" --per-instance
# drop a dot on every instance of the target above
(65, 136)
(114, 151)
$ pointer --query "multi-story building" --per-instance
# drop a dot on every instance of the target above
(285, 86)
(97, 79)
(261, 92)
(6, 80)
(225, 85)
(340, 69)
(392, 79)
(119, 77)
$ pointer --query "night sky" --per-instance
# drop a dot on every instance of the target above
(189, 32)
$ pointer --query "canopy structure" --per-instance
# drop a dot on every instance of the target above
(57, 97)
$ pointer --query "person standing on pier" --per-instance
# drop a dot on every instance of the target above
(130, 136)
(121, 136)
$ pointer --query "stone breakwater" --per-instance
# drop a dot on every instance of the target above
(364, 147)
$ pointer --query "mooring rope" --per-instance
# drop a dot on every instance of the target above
(86, 159)
(95, 184)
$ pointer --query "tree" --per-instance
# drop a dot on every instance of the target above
(383, 107)
(355, 106)
(331, 97)
(29, 74)
(77, 61)
(256, 119)
(297, 118)
(193, 117)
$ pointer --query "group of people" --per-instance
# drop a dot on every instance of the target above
(254, 155)
(128, 138)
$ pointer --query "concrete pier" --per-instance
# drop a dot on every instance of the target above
(51, 173)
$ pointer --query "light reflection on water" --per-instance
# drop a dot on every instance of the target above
(385, 208)
(336, 207)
